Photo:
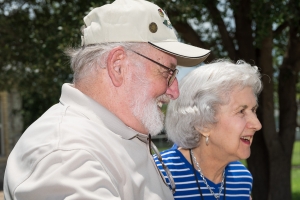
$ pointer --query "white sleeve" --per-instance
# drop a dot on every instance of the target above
(72, 174)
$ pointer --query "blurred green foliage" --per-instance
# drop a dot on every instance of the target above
(34, 35)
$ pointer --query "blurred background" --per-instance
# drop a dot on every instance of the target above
(265, 33)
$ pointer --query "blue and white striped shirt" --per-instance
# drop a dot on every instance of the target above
(238, 179)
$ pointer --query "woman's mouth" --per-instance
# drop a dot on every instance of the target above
(246, 139)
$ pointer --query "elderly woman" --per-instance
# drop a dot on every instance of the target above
(212, 125)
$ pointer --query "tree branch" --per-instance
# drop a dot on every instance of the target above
(280, 28)
(244, 32)
(189, 35)
(227, 41)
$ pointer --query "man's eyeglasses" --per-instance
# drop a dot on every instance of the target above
(172, 72)
(153, 148)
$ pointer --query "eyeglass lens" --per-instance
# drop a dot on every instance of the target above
(172, 72)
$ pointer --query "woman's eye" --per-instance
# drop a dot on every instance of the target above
(242, 111)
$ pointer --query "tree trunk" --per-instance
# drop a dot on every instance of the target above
(244, 32)
(15, 117)
(258, 162)
(283, 149)
(259, 167)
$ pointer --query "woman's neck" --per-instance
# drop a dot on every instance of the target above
(211, 167)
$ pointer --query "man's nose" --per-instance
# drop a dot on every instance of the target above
(173, 90)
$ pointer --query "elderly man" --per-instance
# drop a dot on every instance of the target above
(94, 144)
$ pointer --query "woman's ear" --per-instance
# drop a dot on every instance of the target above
(203, 131)
(197, 129)
(116, 65)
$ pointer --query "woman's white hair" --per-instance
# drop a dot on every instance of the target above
(85, 60)
(202, 91)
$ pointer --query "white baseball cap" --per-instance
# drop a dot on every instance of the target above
(138, 21)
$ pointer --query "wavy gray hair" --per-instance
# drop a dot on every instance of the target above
(202, 91)
(85, 60)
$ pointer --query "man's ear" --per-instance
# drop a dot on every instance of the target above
(116, 65)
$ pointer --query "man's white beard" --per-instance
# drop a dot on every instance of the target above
(149, 113)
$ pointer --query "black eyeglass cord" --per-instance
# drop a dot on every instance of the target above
(196, 177)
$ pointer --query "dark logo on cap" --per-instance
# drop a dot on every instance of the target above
(168, 23)
(166, 20)
(161, 12)
(153, 27)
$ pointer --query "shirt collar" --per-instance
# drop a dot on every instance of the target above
(95, 111)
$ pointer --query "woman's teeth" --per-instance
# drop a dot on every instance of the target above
(246, 138)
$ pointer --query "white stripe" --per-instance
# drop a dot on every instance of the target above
(192, 195)
(170, 164)
(239, 176)
(184, 176)
(169, 152)
(175, 164)
(171, 158)
(236, 165)
(179, 170)
(237, 189)
(237, 195)
(236, 183)
(187, 189)
(238, 170)
(186, 196)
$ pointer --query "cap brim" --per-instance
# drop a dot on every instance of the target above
(187, 55)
